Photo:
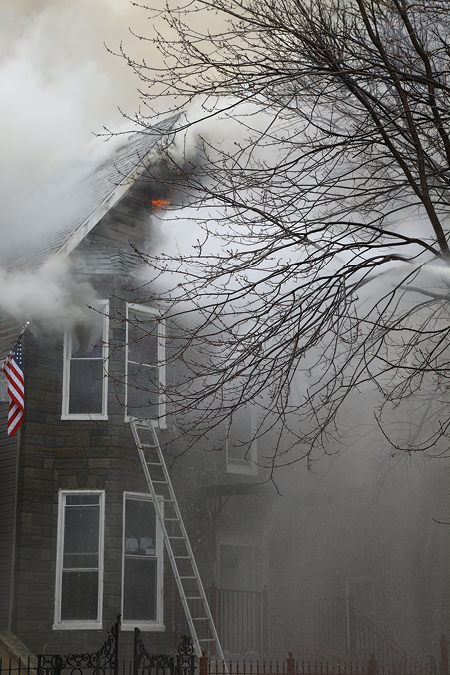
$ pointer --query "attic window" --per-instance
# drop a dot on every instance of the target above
(85, 383)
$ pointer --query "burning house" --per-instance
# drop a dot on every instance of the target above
(80, 541)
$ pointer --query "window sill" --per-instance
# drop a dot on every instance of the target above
(78, 625)
(84, 417)
(159, 424)
(243, 470)
(143, 625)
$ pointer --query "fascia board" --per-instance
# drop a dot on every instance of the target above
(110, 201)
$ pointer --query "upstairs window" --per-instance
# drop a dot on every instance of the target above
(79, 563)
(85, 381)
(145, 376)
(241, 445)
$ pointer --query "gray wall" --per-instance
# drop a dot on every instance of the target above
(8, 472)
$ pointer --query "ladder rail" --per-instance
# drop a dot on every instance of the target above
(184, 537)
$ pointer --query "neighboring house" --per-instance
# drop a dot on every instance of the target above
(79, 541)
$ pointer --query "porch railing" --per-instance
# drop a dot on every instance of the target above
(329, 630)
(241, 619)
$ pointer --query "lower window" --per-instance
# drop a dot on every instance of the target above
(79, 562)
(142, 571)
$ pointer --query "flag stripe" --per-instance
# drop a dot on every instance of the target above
(15, 418)
(13, 369)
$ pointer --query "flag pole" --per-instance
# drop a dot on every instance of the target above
(24, 327)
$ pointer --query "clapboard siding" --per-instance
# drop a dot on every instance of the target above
(8, 471)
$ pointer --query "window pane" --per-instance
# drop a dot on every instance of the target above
(87, 339)
(81, 530)
(240, 435)
(140, 562)
(86, 387)
(79, 597)
(139, 591)
(140, 524)
(82, 499)
(142, 394)
(238, 567)
(142, 338)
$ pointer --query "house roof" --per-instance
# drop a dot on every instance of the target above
(91, 199)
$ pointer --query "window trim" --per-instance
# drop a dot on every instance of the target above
(65, 415)
(250, 468)
(81, 624)
(158, 624)
(151, 311)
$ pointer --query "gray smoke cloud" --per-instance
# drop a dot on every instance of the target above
(60, 87)
(48, 297)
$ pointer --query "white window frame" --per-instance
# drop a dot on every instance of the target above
(158, 624)
(59, 624)
(150, 311)
(103, 307)
(248, 467)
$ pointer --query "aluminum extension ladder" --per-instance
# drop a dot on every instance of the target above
(190, 587)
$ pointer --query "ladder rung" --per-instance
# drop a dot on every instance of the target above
(206, 640)
(194, 597)
(153, 464)
(172, 520)
(182, 557)
(200, 618)
(163, 482)
(169, 537)
(188, 577)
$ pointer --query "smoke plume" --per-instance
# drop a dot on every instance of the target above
(49, 297)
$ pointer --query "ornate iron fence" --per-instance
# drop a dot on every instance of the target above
(145, 663)
(105, 661)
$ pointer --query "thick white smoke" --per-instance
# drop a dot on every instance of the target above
(60, 86)
(49, 297)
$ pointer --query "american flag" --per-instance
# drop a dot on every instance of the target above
(13, 369)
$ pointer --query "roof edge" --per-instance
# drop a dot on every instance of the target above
(95, 217)
(108, 203)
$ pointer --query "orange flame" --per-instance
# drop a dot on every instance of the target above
(158, 204)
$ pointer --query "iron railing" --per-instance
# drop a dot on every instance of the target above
(291, 666)
(106, 661)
